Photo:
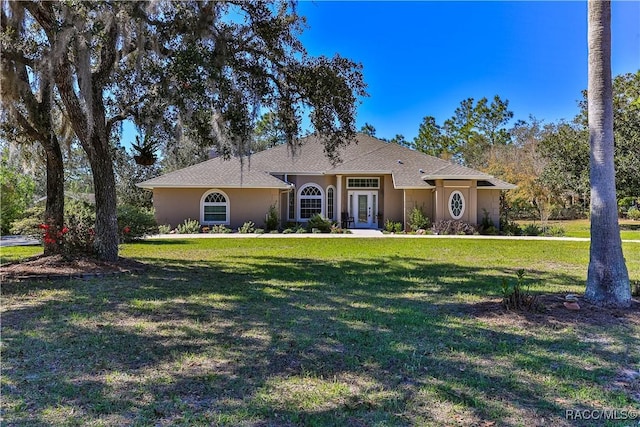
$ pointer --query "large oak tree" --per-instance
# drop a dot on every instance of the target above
(201, 69)
(30, 112)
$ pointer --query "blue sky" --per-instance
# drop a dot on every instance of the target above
(423, 58)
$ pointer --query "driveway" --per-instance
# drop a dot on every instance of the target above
(18, 241)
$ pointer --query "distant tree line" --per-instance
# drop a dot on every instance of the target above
(548, 161)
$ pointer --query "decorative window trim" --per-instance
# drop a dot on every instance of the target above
(291, 206)
(330, 207)
(351, 179)
(226, 204)
(451, 207)
(300, 197)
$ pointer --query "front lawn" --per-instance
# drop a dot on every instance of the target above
(629, 230)
(287, 332)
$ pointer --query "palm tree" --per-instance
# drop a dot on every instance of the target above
(607, 277)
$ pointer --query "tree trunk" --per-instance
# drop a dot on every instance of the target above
(54, 211)
(607, 277)
(106, 238)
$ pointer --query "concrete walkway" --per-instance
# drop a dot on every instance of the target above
(360, 233)
(6, 241)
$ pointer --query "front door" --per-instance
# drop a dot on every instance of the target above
(364, 208)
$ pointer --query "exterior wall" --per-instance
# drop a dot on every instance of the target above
(174, 205)
(469, 191)
(323, 181)
(418, 198)
(392, 203)
(390, 200)
(489, 200)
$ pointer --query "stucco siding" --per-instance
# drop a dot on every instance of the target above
(489, 200)
(392, 207)
(422, 199)
(174, 205)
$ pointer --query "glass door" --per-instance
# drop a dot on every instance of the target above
(364, 208)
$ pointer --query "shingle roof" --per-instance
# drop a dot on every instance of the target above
(217, 173)
(409, 168)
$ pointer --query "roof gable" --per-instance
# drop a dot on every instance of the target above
(365, 155)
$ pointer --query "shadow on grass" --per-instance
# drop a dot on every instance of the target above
(273, 341)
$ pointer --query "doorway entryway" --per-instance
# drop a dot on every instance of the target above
(363, 206)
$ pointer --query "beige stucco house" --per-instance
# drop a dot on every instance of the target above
(373, 182)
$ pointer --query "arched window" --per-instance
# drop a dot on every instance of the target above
(214, 208)
(331, 202)
(310, 201)
(456, 205)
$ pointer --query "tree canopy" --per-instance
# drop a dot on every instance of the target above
(201, 70)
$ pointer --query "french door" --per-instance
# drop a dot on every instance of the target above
(363, 207)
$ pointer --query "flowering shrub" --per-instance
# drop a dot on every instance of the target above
(135, 222)
(51, 235)
(77, 237)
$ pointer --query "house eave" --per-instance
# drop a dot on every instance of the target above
(498, 187)
(151, 187)
(359, 172)
(455, 177)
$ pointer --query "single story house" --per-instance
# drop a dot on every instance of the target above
(373, 182)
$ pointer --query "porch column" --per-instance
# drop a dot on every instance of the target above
(339, 196)
(404, 209)
(439, 200)
(473, 203)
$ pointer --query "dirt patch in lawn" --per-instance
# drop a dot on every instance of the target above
(554, 311)
(58, 267)
(557, 316)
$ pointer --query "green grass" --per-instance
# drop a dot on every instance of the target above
(629, 230)
(311, 332)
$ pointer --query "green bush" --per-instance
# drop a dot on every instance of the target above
(219, 229)
(135, 222)
(392, 226)
(532, 230)
(189, 226)
(554, 231)
(271, 222)
(510, 228)
(17, 191)
(319, 223)
(418, 220)
(487, 227)
(625, 204)
(247, 228)
(81, 233)
(633, 213)
(28, 225)
(164, 229)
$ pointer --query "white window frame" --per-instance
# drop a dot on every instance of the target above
(377, 178)
(331, 215)
(300, 197)
(291, 206)
(225, 204)
(464, 204)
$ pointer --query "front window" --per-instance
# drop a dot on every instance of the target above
(215, 208)
(292, 206)
(330, 203)
(456, 205)
(363, 183)
(310, 199)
